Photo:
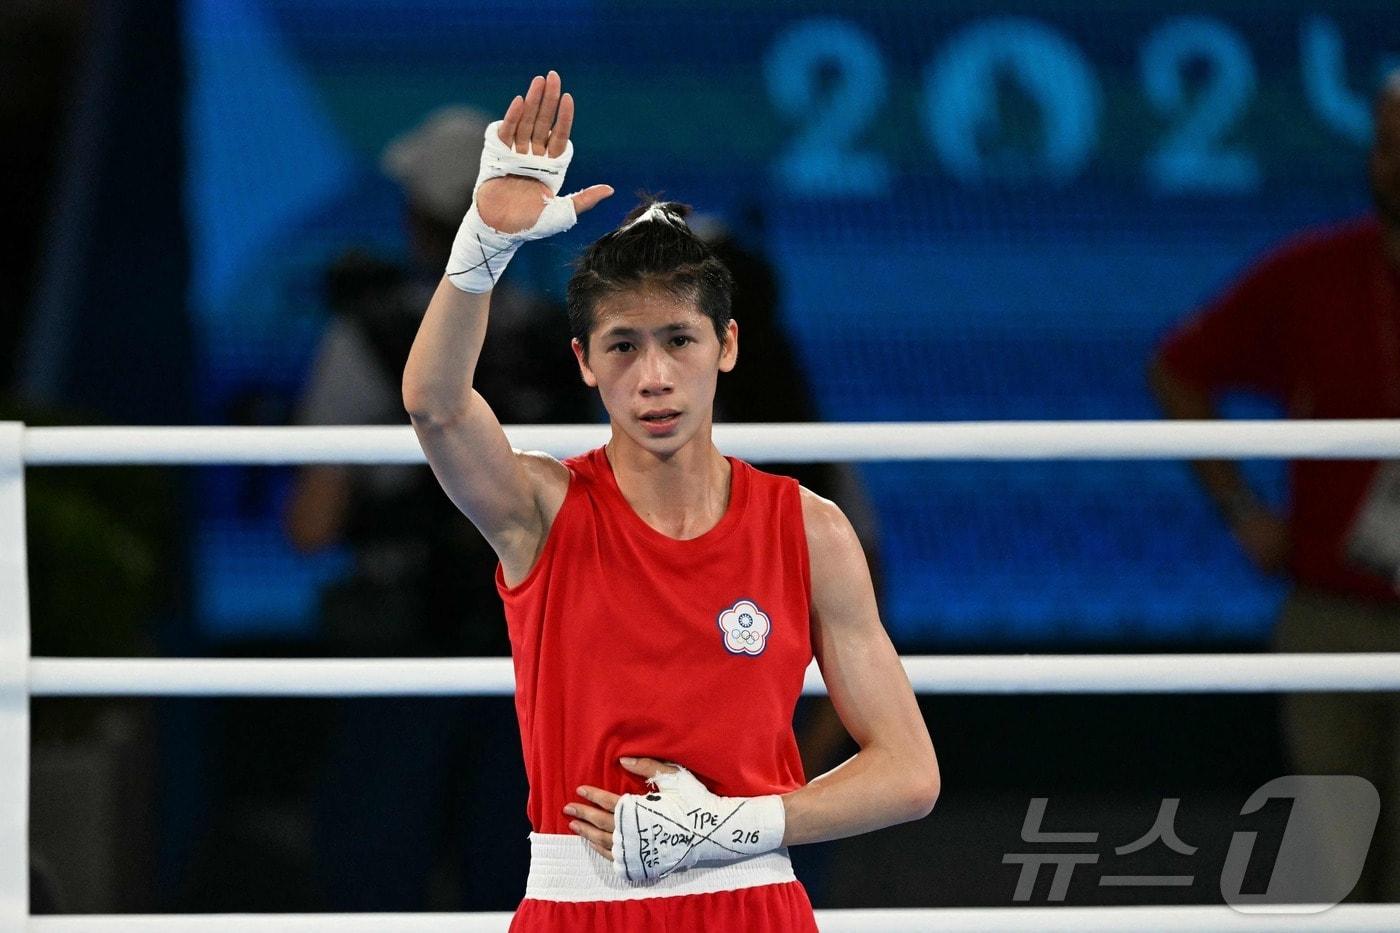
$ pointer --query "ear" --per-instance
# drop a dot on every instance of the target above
(729, 353)
(589, 379)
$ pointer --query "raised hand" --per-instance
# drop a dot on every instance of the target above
(539, 124)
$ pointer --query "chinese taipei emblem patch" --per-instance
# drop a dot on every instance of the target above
(745, 628)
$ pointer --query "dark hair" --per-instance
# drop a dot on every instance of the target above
(654, 248)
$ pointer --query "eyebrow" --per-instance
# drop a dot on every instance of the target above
(620, 331)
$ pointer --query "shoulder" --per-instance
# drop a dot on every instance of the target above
(842, 592)
(549, 480)
(831, 539)
(544, 467)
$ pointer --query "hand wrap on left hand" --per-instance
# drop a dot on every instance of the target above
(681, 824)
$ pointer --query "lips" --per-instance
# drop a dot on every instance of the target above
(660, 421)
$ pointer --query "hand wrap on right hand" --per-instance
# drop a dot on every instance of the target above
(479, 252)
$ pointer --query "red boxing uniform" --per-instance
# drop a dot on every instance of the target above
(627, 642)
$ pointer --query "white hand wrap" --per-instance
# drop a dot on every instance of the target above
(682, 824)
(480, 253)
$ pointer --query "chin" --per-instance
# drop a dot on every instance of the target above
(664, 446)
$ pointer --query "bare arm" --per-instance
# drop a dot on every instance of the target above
(894, 777)
(509, 495)
(1262, 535)
(489, 481)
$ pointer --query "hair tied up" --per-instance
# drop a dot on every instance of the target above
(671, 212)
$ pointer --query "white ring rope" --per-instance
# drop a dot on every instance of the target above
(939, 674)
(1009, 440)
(1346, 918)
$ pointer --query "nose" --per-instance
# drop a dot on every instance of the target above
(655, 373)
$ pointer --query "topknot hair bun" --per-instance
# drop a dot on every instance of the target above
(672, 212)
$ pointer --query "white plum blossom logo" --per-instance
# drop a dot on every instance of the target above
(745, 628)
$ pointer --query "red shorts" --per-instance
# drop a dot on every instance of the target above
(769, 908)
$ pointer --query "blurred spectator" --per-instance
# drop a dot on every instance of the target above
(422, 583)
(1316, 326)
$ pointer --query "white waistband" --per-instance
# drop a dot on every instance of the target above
(567, 868)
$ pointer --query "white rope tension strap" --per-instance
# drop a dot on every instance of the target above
(1348, 918)
(1009, 440)
(1110, 673)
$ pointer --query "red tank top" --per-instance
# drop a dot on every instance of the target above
(629, 642)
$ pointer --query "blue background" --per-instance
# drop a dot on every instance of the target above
(979, 211)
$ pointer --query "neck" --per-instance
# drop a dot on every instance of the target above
(683, 494)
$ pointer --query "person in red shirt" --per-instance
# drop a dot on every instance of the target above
(1316, 326)
(663, 600)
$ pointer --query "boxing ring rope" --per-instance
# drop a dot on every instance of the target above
(935, 674)
(757, 443)
(22, 677)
